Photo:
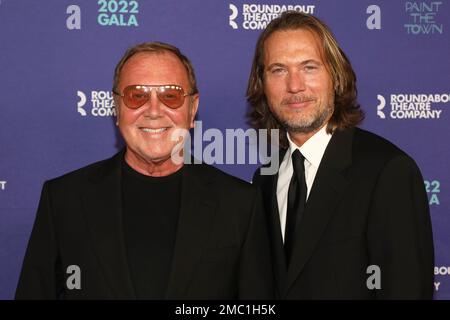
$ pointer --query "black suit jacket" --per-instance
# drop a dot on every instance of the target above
(367, 206)
(222, 248)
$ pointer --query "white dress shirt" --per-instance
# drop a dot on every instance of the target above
(313, 150)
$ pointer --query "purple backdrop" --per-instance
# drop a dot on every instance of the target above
(57, 59)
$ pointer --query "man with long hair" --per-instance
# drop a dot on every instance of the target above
(348, 209)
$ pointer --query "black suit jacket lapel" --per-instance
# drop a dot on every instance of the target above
(198, 206)
(268, 186)
(328, 187)
(102, 203)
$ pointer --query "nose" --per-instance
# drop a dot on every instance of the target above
(295, 82)
(153, 107)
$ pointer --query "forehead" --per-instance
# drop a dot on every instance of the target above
(289, 45)
(154, 68)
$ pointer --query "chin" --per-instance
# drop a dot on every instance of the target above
(156, 156)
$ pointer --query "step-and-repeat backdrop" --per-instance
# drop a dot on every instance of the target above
(56, 65)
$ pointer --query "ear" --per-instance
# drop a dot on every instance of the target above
(116, 105)
(193, 109)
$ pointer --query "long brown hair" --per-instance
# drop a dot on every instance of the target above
(347, 112)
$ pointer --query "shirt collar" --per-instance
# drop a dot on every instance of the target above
(314, 148)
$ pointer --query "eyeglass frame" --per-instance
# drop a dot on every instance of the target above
(157, 86)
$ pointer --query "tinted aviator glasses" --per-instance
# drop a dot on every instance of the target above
(135, 96)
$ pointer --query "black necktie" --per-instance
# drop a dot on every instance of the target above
(296, 202)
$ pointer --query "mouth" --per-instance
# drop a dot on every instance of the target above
(298, 101)
(299, 104)
(154, 130)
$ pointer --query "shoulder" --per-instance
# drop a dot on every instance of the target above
(86, 173)
(380, 155)
(220, 178)
(369, 145)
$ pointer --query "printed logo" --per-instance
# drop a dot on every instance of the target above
(233, 15)
(433, 189)
(2, 185)
(412, 106)
(257, 16)
(120, 13)
(81, 103)
(102, 104)
(422, 17)
(381, 106)
(438, 272)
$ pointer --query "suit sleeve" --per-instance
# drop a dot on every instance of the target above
(255, 270)
(400, 237)
(40, 277)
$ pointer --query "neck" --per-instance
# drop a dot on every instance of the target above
(154, 167)
(299, 138)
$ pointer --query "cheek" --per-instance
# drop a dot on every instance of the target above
(128, 117)
(179, 117)
(274, 90)
(314, 82)
(322, 85)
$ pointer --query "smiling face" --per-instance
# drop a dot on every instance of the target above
(297, 84)
(149, 130)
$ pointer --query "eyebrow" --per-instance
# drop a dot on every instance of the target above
(277, 64)
(311, 61)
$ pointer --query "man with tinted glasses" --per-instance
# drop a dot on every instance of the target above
(141, 225)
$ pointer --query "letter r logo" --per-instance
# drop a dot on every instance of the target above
(381, 106)
(233, 15)
(81, 103)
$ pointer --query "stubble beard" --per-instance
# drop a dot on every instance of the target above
(300, 123)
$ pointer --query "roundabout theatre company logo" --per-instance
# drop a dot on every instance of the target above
(97, 104)
(257, 16)
(412, 106)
